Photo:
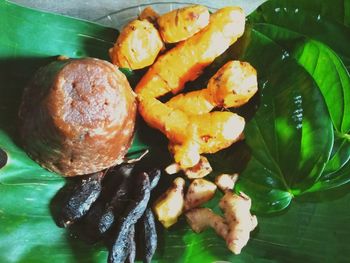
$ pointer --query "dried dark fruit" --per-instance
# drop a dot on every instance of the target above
(83, 195)
(119, 250)
(147, 235)
(132, 245)
(114, 207)
(119, 184)
(154, 177)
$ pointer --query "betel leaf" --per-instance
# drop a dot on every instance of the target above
(320, 20)
(333, 80)
(317, 59)
(336, 10)
(290, 135)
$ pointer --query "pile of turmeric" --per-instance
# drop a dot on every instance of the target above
(188, 120)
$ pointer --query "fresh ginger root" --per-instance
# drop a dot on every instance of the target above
(200, 170)
(235, 228)
(239, 220)
(226, 182)
(169, 206)
(199, 192)
(201, 218)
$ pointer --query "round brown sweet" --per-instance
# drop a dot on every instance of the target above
(77, 116)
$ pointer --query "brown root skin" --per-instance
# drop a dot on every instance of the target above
(236, 225)
(239, 220)
(201, 218)
(199, 192)
(226, 182)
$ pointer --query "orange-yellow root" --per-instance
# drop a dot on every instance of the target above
(191, 134)
(206, 133)
(232, 86)
(182, 23)
(149, 14)
(187, 60)
(137, 45)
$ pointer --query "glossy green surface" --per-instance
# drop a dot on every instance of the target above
(293, 148)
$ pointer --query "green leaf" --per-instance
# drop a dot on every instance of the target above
(321, 20)
(291, 134)
(340, 155)
(325, 67)
(333, 80)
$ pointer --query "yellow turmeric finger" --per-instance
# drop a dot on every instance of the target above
(217, 130)
(195, 102)
(137, 46)
(207, 133)
(191, 135)
(171, 122)
(182, 23)
(186, 61)
(233, 85)
(149, 14)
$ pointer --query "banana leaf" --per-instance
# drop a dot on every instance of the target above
(313, 229)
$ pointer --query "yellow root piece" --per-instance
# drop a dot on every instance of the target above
(182, 23)
(137, 45)
(149, 14)
(206, 133)
(168, 207)
(186, 60)
(232, 86)
(191, 134)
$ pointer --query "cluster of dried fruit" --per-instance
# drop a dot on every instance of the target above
(113, 206)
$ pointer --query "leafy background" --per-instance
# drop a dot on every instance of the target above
(302, 62)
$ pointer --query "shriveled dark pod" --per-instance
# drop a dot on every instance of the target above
(83, 195)
(119, 250)
(115, 206)
(132, 245)
(117, 202)
(147, 236)
(154, 177)
(96, 222)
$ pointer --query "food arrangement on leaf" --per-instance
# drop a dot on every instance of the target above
(249, 118)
